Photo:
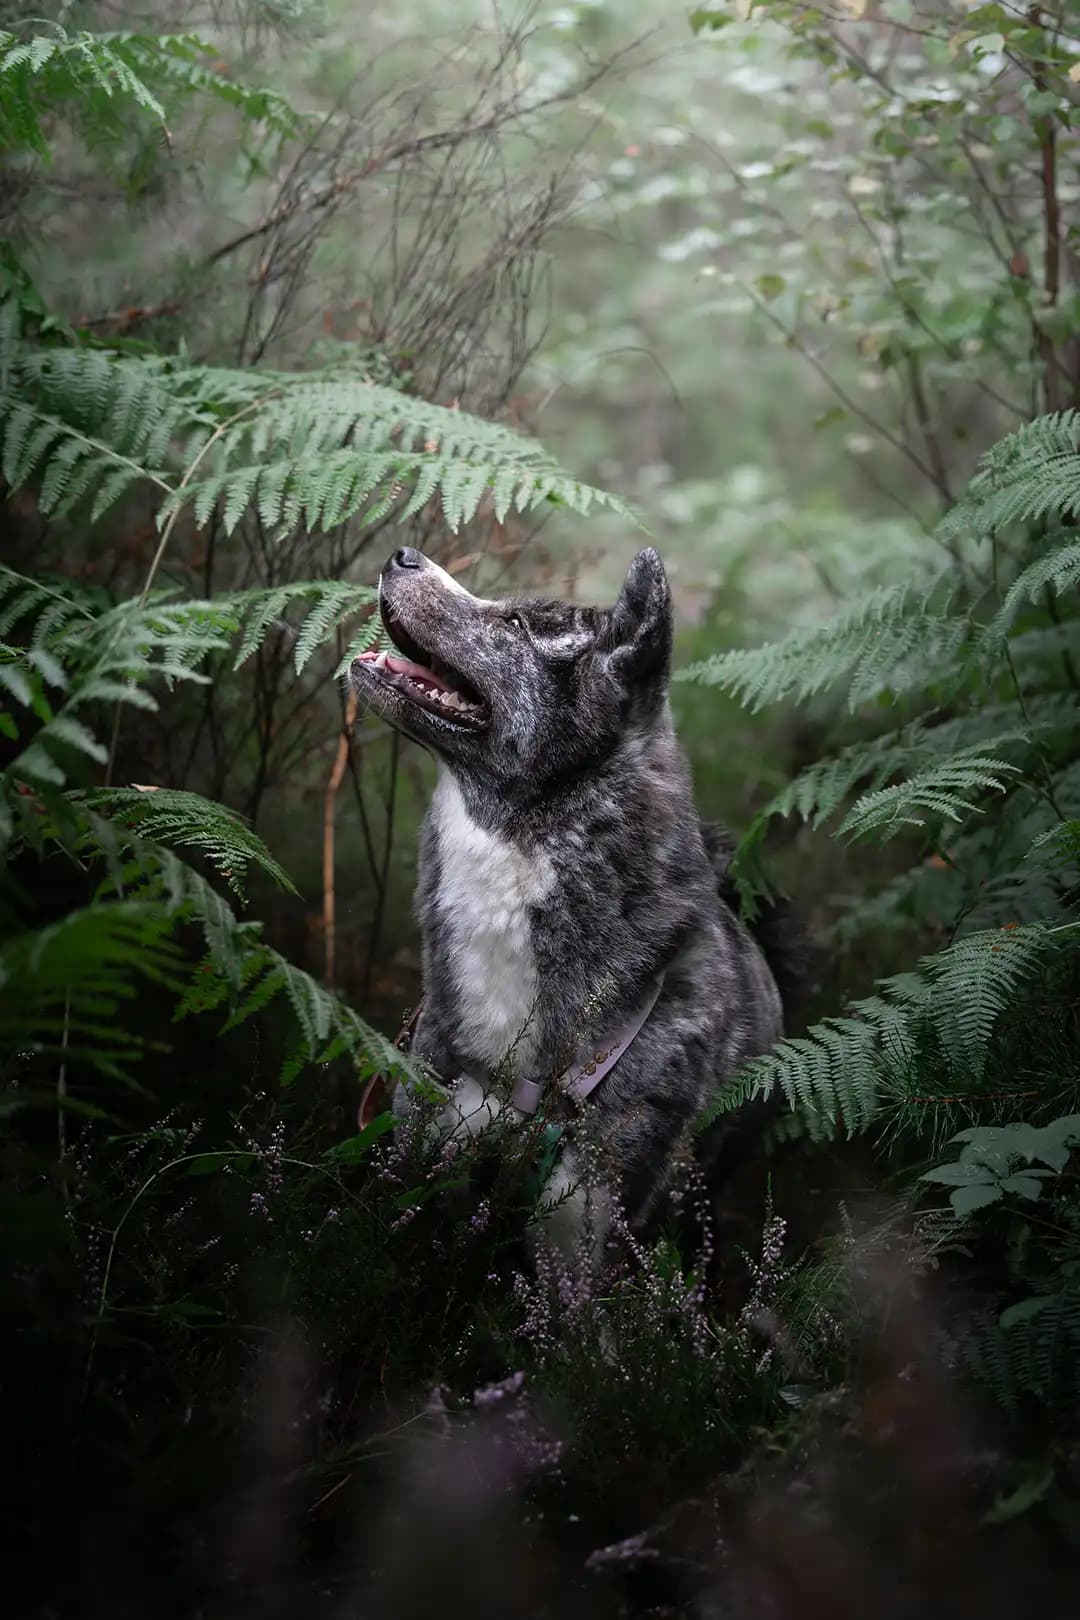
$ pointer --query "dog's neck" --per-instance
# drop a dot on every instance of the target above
(528, 941)
(486, 891)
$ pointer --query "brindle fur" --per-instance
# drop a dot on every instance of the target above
(575, 803)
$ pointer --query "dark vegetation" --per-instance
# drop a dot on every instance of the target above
(249, 338)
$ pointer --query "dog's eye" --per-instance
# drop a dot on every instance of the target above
(515, 621)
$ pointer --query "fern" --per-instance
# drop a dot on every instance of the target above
(844, 1071)
(190, 821)
(817, 793)
(1031, 476)
(64, 984)
(884, 644)
(94, 653)
(311, 450)
(331, 603)
(98, 78)
(947, 791)
(831, 1077)
(1059, 846)
(975, 980)
(93, 659)
(1056, 570)
(146, 894)
(1031, 1351)
(1003, 890)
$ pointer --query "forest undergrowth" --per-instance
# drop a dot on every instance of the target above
(260, 1361)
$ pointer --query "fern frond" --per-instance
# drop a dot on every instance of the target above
(1031, 476)
(973, 982)
(1059, 846)
(947, 790)
(190, 821)
(102, 655)
(830, 1075)
(158, 893)
(318, 449)
(1031, 1349)
(331, 603)
(886, 643)
(987, 1355)
(817, 792)
(103, 658)
(64, 984)
(844, 1071)
(1019, 869)
(97, 79)
(1056, 570)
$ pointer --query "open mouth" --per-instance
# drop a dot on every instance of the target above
(425, 680)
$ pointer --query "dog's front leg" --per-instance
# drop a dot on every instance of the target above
(575, 1215)
(472, 1107)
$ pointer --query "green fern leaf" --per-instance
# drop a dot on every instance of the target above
(975, 980)
(189, 821)
(947, 790)
(886, 643)
(1055, 570)
(1030, 476)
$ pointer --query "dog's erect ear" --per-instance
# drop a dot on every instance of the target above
(640, 634)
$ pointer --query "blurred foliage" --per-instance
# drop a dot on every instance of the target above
(282, 285)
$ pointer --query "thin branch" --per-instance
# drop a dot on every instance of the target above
(841, 393)
(396, 151)
(380, 909)
(329, 808)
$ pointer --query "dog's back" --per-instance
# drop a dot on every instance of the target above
(775, 925)
(781, 938)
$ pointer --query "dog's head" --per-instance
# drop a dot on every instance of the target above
(521, 690)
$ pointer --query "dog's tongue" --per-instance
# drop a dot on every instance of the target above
(405, 666)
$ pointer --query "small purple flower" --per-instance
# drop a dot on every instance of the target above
(492, 1394)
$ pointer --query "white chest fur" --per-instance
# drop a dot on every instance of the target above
(486, 889)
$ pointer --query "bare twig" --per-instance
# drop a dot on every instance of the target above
(380, 908)
(330, 805)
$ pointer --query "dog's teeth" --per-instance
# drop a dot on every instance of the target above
(380, 662)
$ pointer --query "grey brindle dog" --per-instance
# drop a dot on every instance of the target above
(563, 870)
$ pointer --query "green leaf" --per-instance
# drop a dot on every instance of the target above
(770, 286)
(965, 1200)
(1026, 1309)
(1032, 1490)
(355, 1148)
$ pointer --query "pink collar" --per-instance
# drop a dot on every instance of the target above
(578, 1082)
(583, 1078)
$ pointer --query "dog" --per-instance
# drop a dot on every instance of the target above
(568, 890)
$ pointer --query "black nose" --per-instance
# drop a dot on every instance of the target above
(408, 557)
